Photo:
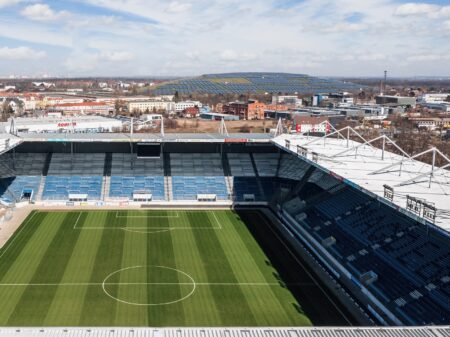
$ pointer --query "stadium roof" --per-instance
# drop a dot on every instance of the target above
(241, 83)
(146, 137)
(371, 169)
(443, 331)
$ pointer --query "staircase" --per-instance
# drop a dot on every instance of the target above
(167, 177)
(229, 182)
(168, 188)
(258, 180)
(106, 187)
(227, 175)
(41, 188)
(106, 176)
(48, 159)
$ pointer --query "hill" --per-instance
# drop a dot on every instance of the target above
(241, 83)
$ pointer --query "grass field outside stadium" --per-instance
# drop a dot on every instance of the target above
(141, 268)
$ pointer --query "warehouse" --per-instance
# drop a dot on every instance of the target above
(82, 124)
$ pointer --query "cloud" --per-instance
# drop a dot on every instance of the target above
(6, 3)
(115, 56)
(230, 55)
(42, 12)
(321, 37)
(178, 7)
(20, 53)
(414, 9)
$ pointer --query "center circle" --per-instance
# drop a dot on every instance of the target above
(149, 285)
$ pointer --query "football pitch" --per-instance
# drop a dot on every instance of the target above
(141, 268)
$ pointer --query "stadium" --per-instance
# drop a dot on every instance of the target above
(222, 235)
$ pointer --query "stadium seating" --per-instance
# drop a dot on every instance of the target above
(125, 186)
(197, 173)
(366, 236)
(17, 185)
(240, 165)
(74, 174)
(292, 167)
(187, 187)
(130, 174)
(64, 164)
(246, 185)
(31, 164)
(59, 187)
(266, 164)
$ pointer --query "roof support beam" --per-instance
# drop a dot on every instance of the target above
(429, 173)
(409, 158)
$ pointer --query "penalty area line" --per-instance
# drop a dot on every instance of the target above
(146, 216)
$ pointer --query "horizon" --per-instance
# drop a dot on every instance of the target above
(128, 38)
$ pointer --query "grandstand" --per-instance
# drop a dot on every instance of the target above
(243, 83)
(373, 225)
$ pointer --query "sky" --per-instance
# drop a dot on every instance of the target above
(192, 37)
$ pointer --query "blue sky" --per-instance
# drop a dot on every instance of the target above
(192, 37)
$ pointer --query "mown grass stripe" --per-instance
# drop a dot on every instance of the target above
(243, 252)
(99, 309)
(234, 309)
(35, 301)
(67, 304)
(25, 263)
(165, 315)
(189, 259)
(134, 254)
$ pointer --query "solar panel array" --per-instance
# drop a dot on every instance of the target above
(240, 83)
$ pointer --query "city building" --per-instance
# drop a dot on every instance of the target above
(80, 124)
(290, 100)
(84, 108)
(245, 110)
(151, 105)
(396, 100)
(431, 123)
(180, 106)
(435, 98)
(304, 124)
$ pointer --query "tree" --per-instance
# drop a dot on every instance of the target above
(117, 106)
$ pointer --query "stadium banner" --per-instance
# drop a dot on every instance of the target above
(236, 140)
(70, 203)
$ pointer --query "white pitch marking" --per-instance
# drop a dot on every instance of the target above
(146, 216)
(85, 284)
(192, 283)
(217, 221)
(76, 222)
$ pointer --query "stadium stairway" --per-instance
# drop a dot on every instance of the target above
(168, 185)
(168, 188)
(48, 159)
(258, 180)
(227, 174)
(106, 176)
(41, 188)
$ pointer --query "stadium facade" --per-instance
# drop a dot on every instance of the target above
(372, 224)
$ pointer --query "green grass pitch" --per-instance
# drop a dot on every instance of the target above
(140, 268)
